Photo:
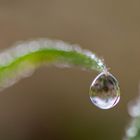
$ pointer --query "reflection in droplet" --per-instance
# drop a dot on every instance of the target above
(104, 91)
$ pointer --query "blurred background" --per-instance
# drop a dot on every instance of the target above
(54, 103)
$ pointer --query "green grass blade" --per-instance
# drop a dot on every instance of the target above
(20, 60)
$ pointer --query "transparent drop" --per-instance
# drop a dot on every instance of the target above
(104, 91)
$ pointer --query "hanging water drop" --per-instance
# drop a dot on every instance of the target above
(104, 91)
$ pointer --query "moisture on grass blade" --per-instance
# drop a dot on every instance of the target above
(20, 61)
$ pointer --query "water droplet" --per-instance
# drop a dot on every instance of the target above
(104, 91)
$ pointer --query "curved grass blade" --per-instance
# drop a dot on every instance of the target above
(20, 60)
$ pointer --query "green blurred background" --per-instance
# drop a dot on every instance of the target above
(54, 103)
